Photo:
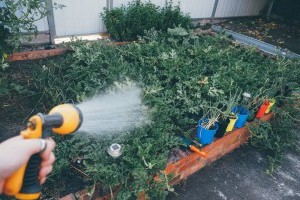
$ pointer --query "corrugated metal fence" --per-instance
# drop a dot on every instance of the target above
(83, 17)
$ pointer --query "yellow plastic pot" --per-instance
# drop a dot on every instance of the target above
(272, 102)
(231, 124)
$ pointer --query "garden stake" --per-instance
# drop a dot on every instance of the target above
(62, 119)
(262, 109)
(231, 124)
(272, 102)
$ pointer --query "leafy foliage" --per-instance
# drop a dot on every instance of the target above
(181, 74)
(17, 17)
(127, 23)
(278, 135)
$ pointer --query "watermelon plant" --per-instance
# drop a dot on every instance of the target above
(181, 74)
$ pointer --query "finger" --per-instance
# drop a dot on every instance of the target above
(48, 162)
(44, 171)
(43, 180)
(50, 147)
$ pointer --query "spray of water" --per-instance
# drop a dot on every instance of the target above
(119, 109)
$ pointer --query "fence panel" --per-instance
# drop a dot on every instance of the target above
(239, 8)
(79, 17)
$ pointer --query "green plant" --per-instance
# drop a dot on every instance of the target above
(181, 75)
(17, 19)
(127, 23)
(278, 135)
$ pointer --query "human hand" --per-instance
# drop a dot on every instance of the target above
(17, 151)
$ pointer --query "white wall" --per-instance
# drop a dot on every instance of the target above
(81, 17)
(78, 17)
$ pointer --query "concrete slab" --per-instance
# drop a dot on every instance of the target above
(241, 175)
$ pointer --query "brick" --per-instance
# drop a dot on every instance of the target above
(68, 197)
(231, 148)
(244, 138)
(171, 168)
(214, 154)
(218, 143)
(232, 138)
(192, 157)
(175, 180)
(181, 162)
(37, 54)
(195, 168)
(207, 148)
(184, 168)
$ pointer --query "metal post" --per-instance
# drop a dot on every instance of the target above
(50, 19)
(270, 9)
(109, 4)
(214, 11)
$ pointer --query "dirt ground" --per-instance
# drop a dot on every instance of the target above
(279, 33)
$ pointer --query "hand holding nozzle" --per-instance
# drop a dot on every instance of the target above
(24, 183)
(21, 150)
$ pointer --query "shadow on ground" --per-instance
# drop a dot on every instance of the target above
(242, 175)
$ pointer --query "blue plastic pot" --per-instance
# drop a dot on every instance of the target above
(243, 114)
(206, 136)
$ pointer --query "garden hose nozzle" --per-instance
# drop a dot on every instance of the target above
(62, 119)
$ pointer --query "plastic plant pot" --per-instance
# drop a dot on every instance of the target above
(242, 113)
(272, 102)
(223, 123)
(231, 124)
(206, 136)
(262, 109)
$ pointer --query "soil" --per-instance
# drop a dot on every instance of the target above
(279, 33)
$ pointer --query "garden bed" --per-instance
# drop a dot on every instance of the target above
(192, 162)
(178, 73)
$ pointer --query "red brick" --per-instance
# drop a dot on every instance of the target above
(171, 168)
(232, 138)
(184, 168)
(219, 143)
(214, 154)
(244, 138)
(37, 54)
(195, 168)
(231, 148)
(181, 162)
(192, 157)
(68, 197)
(175, 180)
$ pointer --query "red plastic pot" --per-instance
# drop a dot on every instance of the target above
(262, 109)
